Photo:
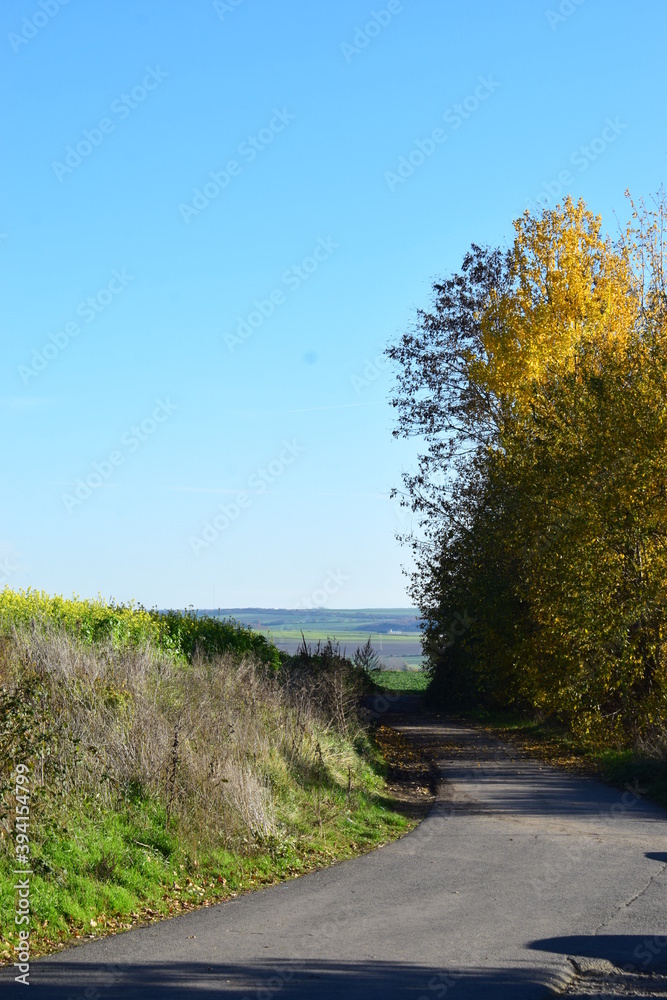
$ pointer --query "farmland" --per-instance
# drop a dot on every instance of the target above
(394, 632)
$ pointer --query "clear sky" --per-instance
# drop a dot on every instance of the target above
(215, 216)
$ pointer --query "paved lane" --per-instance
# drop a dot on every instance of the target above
(517, 868)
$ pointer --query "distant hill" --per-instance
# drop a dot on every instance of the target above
(378, 620)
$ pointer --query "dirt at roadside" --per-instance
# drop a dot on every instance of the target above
(616, 984)
(411, 771)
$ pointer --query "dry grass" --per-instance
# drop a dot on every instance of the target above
(130, 724)
(159, 783)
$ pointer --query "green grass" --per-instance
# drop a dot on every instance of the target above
(98, 872)
(127, 823)
(407, 681)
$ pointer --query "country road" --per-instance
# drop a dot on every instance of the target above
(519, 874)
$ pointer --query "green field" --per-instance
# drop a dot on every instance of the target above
(323, 620)
(407, 681)
(394, 632)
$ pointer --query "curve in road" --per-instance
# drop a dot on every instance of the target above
(519, 874)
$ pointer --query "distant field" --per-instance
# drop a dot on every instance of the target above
(391, 645)
(393, 680)
(401, 651)
(395, 651)
(380, 620)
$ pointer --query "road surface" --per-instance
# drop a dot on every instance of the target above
(519, 874)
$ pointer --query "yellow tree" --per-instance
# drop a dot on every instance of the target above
(539, 381)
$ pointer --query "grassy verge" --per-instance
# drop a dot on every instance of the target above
(152, 782)
(555, 746)
(98, 872)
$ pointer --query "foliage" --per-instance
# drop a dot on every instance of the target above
(366, 659)
(330, 679)
(539, 384)
(158, 783)
(181, 632)
(403, 681)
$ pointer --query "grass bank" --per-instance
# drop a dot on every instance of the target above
(141, 778)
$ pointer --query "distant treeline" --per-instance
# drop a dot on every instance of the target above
(380, 621)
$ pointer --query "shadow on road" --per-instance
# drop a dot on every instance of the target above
(502, 780)
(634, 952)
(281, 980)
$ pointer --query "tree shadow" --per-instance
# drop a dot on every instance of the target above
(280, 979)
(631, 952)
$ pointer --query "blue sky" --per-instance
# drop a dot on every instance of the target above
(214, 218)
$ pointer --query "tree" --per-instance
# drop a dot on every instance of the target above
(538, 382)
(366, 659)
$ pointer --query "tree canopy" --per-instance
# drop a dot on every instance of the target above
(537, 382)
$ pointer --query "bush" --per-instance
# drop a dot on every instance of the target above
(181, 632)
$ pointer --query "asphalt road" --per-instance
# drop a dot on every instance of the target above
(518, 869)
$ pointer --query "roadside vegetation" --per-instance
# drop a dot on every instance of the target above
(538, 383)
(171, 762)
(126, 625)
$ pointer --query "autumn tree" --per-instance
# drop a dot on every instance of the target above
(538, 384)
